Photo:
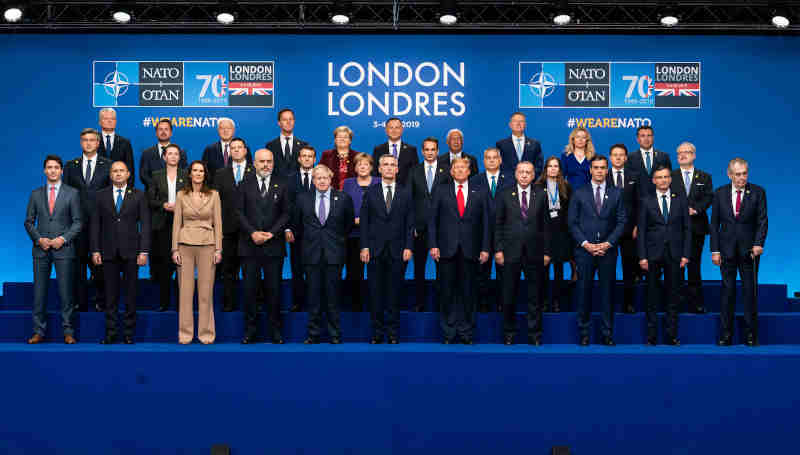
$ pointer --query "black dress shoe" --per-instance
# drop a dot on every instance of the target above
(536, 341)
(295, 308)
(419, 308)
(673, 341)
(500, 308)
(701, 310)
(584, 340)
(277, 339)
(128, 340)
(724, 341)
(609, 341)
(629, 309)
(394, 340)
(467, 341)
(108, 340)
(376, 340)
(310, 340)
(336, 340)
(447, 341)
(248, 340)
(162, 308)
(227, 309)
(556, 307)
(750, 340)
(651, 341)
(509, 340)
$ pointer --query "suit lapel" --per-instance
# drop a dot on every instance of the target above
(745, 198)
(728, 192)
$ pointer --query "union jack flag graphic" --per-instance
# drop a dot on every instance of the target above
(677, 89)
(250, 88)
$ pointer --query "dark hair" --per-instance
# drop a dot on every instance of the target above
(618, 146)
(168, 146)
(661, 167)
(644, 127)
(431, 139)
(164, 120)
(240, 140)
(205, 189)
(286, 109)
(560, 181)
(599, 158)
(518, 113)
(55, 158)
(307, 147)
(391, 119)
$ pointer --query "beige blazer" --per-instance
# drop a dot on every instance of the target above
(197, 225)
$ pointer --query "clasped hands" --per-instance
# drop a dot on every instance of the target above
(597, 249)
(46, 244)
(259, 237)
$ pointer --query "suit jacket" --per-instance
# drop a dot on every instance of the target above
(151, 161)
(66, 220)
(101, 178)
(126, 233)
(225, 183)
(197, 224)
(635, 163)
(701, 192)
(331, 236)
(630, 196)
(586, 224)
(158, 194)
(508, 153)
(406, 159)
(655, 233)
(285, 166)
(268, 214)
(481, 182)
(330, 158)
(513, 233)
(295, 184)
(381, 229)
(121, 150)
(447, 230)
(444, 163)
(423, 199)
(215, 160)
(729, 233)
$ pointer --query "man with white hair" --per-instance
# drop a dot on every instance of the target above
(455, 144)
(112, 145)
(218, 154)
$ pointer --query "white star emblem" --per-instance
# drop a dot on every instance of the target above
(116, 84)
(542, 84)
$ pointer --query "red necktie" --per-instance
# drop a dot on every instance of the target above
(52, 199)
(738, 202)
(460, 199)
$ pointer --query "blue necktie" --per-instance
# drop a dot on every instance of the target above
(429, 178)
(238, 173)
(664, 210)
(88, 176)
(394, 150)
(108, 144)
(518, 143)
(647, 161)
(119, 200)
(322, 215)
(494, 185)
(687, 183)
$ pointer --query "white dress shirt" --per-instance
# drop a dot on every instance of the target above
(464, 189)
(644, 157)
(683, 177)
(528, 194)
(388, 185)
(111, 137)
(58, 188)
(172, 188)
(621, 172)
(264, 181)
(398, 144)
(94, 164)
(327, 194)
(733, 198)
(455, 155)
(659, 195)
(496, 176)
(114, 193)
(284, 140)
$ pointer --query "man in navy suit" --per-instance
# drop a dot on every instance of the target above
(299, 182)
(738, 232)
(522, 245)
(218, 155)
(113, 146)
(492, 181)
(405, 153)
(664, 243)
(455, 144)
(152, 158)
(120, 239)
(262, 208)
(324, 217)
(518, 148)
(596, 220)
(458, 232)
(646, 159)
(53, 220)
(387, 225)
(88, 174)
(286, 147)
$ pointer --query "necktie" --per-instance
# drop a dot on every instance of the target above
(322, 215)
(664, 209)
(598, 199)
(429, 178)
(263, 187)
(108, 144)
(389, 198)
(619, 179)
(493, 188)
(238, 173)
(52, 199)
(225, 154)
(394, 150)
(647, 161)
(287, 152)
(305, 180)
(88, 176)
(518, 146)
(460, 200)
(687, 183)
(118, 205)
(163, 151)
(524, 205)
(738, 202)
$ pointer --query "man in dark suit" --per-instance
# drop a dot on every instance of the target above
(521, 245)
(325, 217)
(492, 181)
(424, 178)
(113, 146)
(299, 182)
(53, 220)
(88, 174)
(596, 220)
(406, 154)
(458, 233)
(286, 147)
(387, 224)
(664, 242)
(120, 240)
(697, 187)
(219, 155)
(455, 144)
(227, 182)
(644, 160)
(262, 208)
(518, 148)
(152, 158)
(738, 232)
(627, 180)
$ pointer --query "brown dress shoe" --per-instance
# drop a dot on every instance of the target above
(35, 339)
(69, 339)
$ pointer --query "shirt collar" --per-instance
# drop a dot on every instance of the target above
(124, 188)
(388, 184)
(94, 158)
(690, 171)
(464, 185)
(398, 143)
(489, 175)
(57, 185)
(104, 134)
(455, 155)
(659, 193)
(645, 151)
(327, 193)
(601, 185)
(289, 137)
(516, 138)
(521, 189)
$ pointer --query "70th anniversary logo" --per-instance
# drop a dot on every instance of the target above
(183, 84)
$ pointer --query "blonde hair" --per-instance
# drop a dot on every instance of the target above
(570, 148)
(361, 156)
(322, 167)
(343, 129)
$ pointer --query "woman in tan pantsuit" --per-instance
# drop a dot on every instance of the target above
(197, 244)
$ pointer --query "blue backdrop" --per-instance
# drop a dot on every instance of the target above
(746, 106)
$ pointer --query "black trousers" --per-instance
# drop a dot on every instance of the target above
(354, 273)
(629, 257)
(532, 267)
(421, 255)
(490, 292)
(692, 294)
(230, 271)
(161, 266)
(606, 268)
(298, 272)
(324, 283)
(113, 268)
(81, 280)
(458, 287)
(558, 291)
(744, 265)
(386, 276)
(673, 282)
(271, 267)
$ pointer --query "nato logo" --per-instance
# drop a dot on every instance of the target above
(541, 84)
(115, 84)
